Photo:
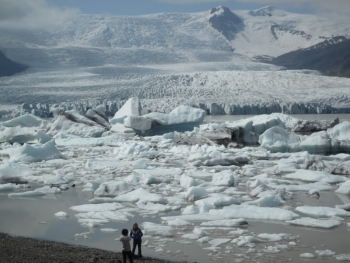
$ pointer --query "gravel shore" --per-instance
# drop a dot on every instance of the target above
(21, 249)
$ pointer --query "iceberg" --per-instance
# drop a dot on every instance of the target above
(182, 118)
(312, 222)
(315, 176)
(322, 211)
(226, 223)
(254, 212)
(344, 188)
(35, 153)
(277, 139)
(132, 107)
(141, 195)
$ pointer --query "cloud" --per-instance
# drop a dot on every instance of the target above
(328, 7)
(32, 14)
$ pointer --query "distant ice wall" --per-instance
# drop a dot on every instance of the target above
(211, 108)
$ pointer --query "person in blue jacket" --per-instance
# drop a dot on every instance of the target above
(136, 234)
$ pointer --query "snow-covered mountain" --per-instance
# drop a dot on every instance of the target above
(209, 59)
(174, 37)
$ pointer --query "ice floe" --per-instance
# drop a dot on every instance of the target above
(312, 222)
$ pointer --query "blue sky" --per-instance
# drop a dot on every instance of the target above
(140, 7)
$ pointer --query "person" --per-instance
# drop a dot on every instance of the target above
(126, 250)
(136, 234)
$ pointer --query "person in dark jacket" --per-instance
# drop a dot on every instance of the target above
(136, 234)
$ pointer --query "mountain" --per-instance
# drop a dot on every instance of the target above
(331, 57)
(8, 67)
(207, 59)
(217, 35)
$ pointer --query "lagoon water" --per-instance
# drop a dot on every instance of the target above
(34, 217)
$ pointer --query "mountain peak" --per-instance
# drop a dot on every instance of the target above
(264, 11)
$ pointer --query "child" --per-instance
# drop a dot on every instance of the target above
(136, 235)
(126, 250)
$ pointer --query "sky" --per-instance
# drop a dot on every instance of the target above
(44, 14)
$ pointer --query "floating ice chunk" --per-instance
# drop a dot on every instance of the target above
(27, 120)
(344, 188)
(187, 181)
(112, 188)
(66, 139)
(315, 176)
(57, 179)
(26, 194)
(62, 215)
(224, 178)
(322, 211)
(132, 107)
(7, 187)
(258, 189)
(181, 114)
(325, 253)
(312, 222)
(254, 212)
(48, 190)
(91, 186)
(157, 207)
(158, 171)
(139, 123)
(197, 192)
(140, 195)
(203, 240)
(178, 222)
(74, 123)
(157, 230)
(218, 241)
(43, 137)
(267, 201)
(198, 157)
(97, 207)
(274, 237)
(343, 257)
(246, 241)
(108, 230)
(202, 209)
(320, 186)
(141, 164)
(277, 139)
(217, 200)
(226, 223)
(340, 131)
(92, 223)
(169, 135)
(116, 215)
(98, 118)
(238, 232)
(38, 153)
(11, 169)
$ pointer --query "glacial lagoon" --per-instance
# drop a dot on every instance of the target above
(260, 241)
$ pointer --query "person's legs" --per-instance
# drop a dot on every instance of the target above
(133, 247)
(139, 247)
(130, 256)
(124, 253)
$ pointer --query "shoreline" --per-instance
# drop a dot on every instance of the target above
(24, 249)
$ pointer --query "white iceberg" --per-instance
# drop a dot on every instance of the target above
(344, 188)
(322, 211)
(132, 107)
(96, 207)
(316, 176)
(141, 195)
(254, 212)
(312, 222)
